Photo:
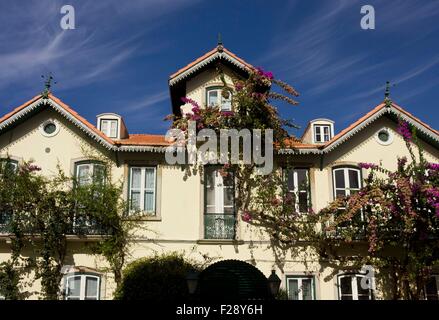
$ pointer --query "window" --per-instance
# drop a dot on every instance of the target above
(298, 186)
(384, 137)
(300, 288)
(347, 181)
(219, 213)
(351, 288)
(8, 166)
(82, 287)
(215, 97)
(142, 191)
(89, 172)
(49, 128)
(322, 133)
(109, 127)
(432, 288)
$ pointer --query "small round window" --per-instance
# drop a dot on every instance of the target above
(384, 136)
(49, 128)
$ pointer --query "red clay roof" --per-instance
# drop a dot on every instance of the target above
(370, 114)
(144, 139)
(81, 119)
(207, 55)
(24, 105)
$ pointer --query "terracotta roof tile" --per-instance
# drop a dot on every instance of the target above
(144, 139)
(370, 114)
(81, 119)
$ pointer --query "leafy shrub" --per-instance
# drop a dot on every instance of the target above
(158, 278)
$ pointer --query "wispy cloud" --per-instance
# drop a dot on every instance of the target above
(143, 103)
(37, 44)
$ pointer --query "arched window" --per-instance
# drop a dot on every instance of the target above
(87, 172)
(354, 287)
(347, 181)
(82, 286)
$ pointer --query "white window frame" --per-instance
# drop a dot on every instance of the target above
(436, 276)
(91, 169)
(322, 133)
(219, 194)
(299, 285)
(220, 98)
(296, 190)
(10, 162)
(107, 130)
(142, 190)
(347, 187)
(354, 286)
(83, 281)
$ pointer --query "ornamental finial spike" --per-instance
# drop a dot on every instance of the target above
(387, 99)
(387, 92)
(220, 40)
(47, 84)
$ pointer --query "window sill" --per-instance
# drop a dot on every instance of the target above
(144, 218)
(221, 241)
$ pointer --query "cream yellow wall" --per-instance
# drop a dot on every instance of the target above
(196, 87)
(179, 225)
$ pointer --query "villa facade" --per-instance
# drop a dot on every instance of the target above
(193, 215)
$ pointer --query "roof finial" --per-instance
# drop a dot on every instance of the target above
(47, 85)
(387, 99)
(220, 42)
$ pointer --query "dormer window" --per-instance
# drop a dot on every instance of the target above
(322, 133)
(109, 127)
(112, 125)
(319, 131)
(215, 98)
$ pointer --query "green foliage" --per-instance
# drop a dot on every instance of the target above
(159, 278)
(40, 213)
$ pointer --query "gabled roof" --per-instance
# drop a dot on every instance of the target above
(360, 124)
(373, 115)
(63, 109)
(218, 52)
(147, 141)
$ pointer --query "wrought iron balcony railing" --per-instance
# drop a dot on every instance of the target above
(219, 226)
(74, 227)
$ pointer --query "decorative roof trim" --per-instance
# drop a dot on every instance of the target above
(142, 149)
(355, 130)
(385, 109)
(20, 114)
(299, 151)
(79, 124)
(217, 55)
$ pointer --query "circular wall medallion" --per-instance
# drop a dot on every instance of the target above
(384, 136)
(49, 128)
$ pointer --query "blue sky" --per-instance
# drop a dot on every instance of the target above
(120, 56)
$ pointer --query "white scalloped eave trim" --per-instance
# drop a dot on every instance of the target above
(202, 63)
(376, 116)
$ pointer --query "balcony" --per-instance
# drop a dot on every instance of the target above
(219, 226)
(76, 227)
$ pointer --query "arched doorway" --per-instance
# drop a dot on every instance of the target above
(232, 279)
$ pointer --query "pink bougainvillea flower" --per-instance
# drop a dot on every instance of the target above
(190, 101)
(246, 216)
(227, 113)
(404, 130)
(365, 165)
